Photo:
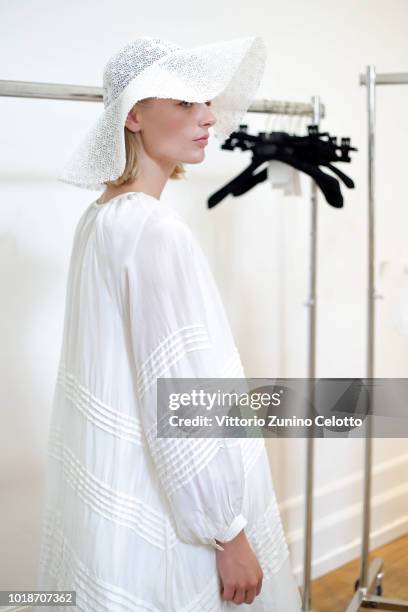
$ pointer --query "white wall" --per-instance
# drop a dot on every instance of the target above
(257, 244)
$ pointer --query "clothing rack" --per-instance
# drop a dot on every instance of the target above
(316, 111)
(371, 577)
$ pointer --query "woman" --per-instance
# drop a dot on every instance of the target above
(134, 521)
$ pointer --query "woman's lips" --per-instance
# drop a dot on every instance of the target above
(202, 140)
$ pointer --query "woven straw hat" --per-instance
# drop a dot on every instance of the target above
(227, 73)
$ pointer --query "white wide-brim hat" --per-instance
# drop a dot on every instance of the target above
(228, 73)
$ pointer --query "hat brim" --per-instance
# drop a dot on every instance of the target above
(228, 73)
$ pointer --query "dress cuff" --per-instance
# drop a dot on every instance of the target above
(232, 530)
(214, 543)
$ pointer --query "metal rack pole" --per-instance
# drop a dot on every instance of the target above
(311, 372)
(371, 576)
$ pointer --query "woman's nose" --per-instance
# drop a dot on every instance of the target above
(209, 118)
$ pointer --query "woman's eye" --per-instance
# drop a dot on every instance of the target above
(185, 102)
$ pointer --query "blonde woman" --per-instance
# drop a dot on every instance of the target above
(134, 521)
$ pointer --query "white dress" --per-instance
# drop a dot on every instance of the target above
(130, 519)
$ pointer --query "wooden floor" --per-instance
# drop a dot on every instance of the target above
(334, 591)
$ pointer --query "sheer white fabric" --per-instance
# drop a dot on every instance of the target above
(130, 519)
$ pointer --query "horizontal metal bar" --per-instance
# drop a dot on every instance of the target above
(84, 93)
(278, 107)
(51, 91)
(385, 603)
(391, 78)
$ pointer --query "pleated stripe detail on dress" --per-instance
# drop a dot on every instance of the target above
(169, 352)
(116, 506)
(104, 416)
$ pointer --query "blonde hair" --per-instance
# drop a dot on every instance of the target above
(132, 169)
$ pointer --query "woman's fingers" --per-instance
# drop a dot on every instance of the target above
(250, 595)
(227, 592)
(240, 595)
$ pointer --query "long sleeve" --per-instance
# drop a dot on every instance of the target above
(178, 328)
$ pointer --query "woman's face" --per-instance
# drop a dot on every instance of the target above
(169, 128)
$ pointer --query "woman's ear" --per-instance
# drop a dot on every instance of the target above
(132, 121)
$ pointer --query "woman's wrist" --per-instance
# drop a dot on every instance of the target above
(239, 537)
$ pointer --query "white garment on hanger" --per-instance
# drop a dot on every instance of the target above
(283, 176)
(130, 520)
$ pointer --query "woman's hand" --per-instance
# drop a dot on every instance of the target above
(239, 570)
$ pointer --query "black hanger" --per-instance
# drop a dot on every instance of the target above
(328, 185)
(305, 153)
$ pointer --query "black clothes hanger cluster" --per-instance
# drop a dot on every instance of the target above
(305, 153)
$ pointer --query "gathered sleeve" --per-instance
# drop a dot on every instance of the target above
(179, 329)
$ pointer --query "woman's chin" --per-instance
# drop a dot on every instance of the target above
(195, 158)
